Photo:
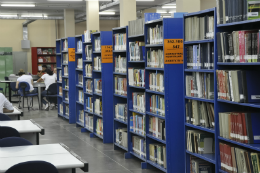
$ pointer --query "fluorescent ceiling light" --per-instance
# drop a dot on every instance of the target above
(169, 6)
(107, 12)
(27, 15)
(8, 15)
(162, 12)
(17, 5)
(167, 16)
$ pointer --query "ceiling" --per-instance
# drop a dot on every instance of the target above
(55, 9)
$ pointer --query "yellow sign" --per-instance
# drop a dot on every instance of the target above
(107, 54)
(71, 54)
(173, 51)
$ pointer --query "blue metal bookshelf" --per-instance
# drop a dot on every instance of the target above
(107, 86)
(68, 93)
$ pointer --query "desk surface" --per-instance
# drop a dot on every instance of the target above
(15, 112)
(39, 84)
(6, 81)
(22, 126)
(32, 150)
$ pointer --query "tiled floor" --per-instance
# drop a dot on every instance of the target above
(102, 158)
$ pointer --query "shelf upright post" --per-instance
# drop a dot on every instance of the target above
(59, 78)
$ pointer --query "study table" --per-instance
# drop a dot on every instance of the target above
(28, 129)
(64, 159)
(16, 114)
(9, 90)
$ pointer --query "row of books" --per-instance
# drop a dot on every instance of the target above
(238, 85)
(240, 126)
(157, 105)
(66, 71)
(81, 96)
(236, 10)
(137, 124)
(136, 27)
(61, 108)
(155, 58)
(137, 51)
(156, 81)
(200, 142)
(81, 116)
(80, 63)
(65, 58)
(157, 128)
(67, 110)
(99, 126)
(120, 64)
(79, 46)
(136, 77)
(49, 66)
(138, 101)
(89, 86)
(238, 46)
(88, 52)
(60, 90)
(155, 35)
(89, 121)
(157, 154)
(89, 104)
(47, 51)
(200, 56)
(200, 85)
(46, 59)
(88, 69)
(120, 85)
(98, 86)
(97, 44)
(120, 41)
(200, 166)
(60, 76)
(121, 137)
(98, 106)
(80, 79)
(139, 146)
(200, 113)
(97, 63)
(67, 96)
(121, 112)
(236, 160)
(87, 34)
(66, 83)
(65, 45)
(199, 28)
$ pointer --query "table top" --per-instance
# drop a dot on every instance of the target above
(32, 150)
(6, 81)
(22, 126)
(15, 112)
(57, 154)
(39, 84)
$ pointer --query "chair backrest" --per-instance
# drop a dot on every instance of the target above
(33, 167)
(4, 117)
(14, 142)
(13, 86)
(6, 78)
(6, 132)
(52, 88)
(24, 87)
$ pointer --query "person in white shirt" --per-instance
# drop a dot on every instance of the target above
(29, 80)
(5, 105)
(48, 78)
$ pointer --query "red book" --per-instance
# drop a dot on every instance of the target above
(221, 155)
(239, 125)
(225, 153)
(241, 46)
(230, 164)
(244, 128)
(236, 127)
(232, 126)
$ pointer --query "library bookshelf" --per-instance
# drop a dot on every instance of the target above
(66, 78)
(43, 56)
(103, 117)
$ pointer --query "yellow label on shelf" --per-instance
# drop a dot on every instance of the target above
(71, 54)
(107, 54)
(173, 51)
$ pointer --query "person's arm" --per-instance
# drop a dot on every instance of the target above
(17, 85)
(32, 81)
(40, 80)
(8, 107)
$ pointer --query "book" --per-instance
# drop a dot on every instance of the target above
(65, 58)
(88, 70)
(97, 44)
(67, 96)
(200, 166)
(121, 111)
(67, 110)
(80, 63)
(65, 45)
(157, 154)
(81, 116)
(120, 85)
(87, 34)
(60, 90)
(39, 51)
(138, 124)
(155, 58)
(99, 126)
(66, 83)
(136, 27)
(89, 86)
(97, 63)
(89, 121)
(138, 101)
(136, 77)
(156, 81)
(121, 137)
(139, 146)
(137, 51)
(79, 46)
(120, 64)
(61, 108)
(81, 96)
(89, 104)
(88, 52)
(98, 106)
(119, 41)
(80, 79)
(155, 35)
(157, 127)
(157, 105)
(98, 86)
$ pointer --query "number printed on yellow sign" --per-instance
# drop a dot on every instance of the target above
(107, 54)
(173, 51)
(71, 54)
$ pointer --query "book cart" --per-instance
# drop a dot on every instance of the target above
(68, 76)
(105, 74)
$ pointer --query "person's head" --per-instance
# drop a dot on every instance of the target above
(49, 72)
(55, 70)
(21, 70)
(21, 73)
(44, 67)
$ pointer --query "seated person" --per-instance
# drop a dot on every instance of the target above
(55, 72)
(29, 80)
(41, 73)
(49, 78)
(5, 105)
